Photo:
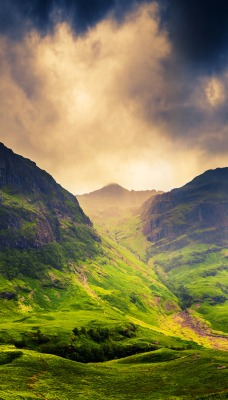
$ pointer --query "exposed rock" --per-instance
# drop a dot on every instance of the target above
(8, 295)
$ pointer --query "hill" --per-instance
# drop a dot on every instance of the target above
(163, 374)
(187, 234)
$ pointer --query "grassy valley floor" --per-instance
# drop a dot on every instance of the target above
(163, 374)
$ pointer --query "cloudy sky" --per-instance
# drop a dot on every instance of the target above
(101, 91)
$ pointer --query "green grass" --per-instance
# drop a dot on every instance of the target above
(113, 290)
(158, 375)
(203, 270)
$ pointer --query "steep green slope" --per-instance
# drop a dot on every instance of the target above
(41, 224)
(198, 274)
(188, 234)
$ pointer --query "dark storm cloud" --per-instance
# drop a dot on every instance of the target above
(199, 31)
(17, 17)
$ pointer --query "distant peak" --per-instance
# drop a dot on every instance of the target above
(114, 186)
(113, 189)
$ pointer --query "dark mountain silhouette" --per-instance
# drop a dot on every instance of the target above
(196, 212)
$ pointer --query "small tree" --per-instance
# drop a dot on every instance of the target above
(185, 297)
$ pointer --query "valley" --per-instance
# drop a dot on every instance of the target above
(130, 301)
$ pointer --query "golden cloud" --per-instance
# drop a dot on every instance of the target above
(76, 105)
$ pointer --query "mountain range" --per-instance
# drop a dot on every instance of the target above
(149, 277)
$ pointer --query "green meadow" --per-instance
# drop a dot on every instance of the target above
(162, 374)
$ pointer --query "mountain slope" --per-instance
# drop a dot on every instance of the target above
(187, 229)
(197, 212)
(38, 219)
(116, 211)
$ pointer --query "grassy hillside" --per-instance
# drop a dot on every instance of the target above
(184, 242)
(198, 274)
(114, 291)
(188, 234)
(41, 224)
(163, 374)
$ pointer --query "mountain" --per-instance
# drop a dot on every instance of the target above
(112, 196)
(197, 212)
(38, 214)
(69, 296)
(57, 274)
(187, 236)
(116, 211)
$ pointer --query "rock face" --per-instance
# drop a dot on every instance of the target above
(34, 209)
(196, 212)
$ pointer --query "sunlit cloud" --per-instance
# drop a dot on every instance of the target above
(215, 92)
(101, 107)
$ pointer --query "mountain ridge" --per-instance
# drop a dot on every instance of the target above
(199, 205)
(41, 224)
(32, 201)
(114, 195)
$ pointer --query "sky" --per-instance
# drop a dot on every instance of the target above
(104, 91)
